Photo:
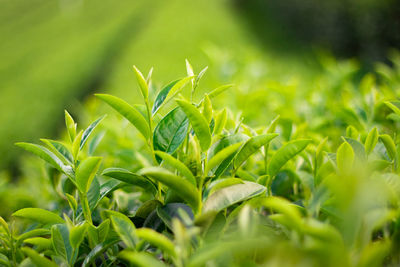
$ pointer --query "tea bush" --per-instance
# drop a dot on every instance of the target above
(193, 184)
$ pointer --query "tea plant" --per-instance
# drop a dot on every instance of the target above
(205, 189)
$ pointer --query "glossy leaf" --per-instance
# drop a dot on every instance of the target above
(222, 155)
(251, 146)
(219, 90)
(77, 234)
(140, 259)
(228, 196)
(60, 150)
(60, 240)
(38, 259)
(129, 112)
(284, 154)
(98, 250)
(171, 131)
(142, 82)
(85, 173)
(71, 126)
(198, 122)
(38, 215)
(389, 145)
(220, 122)
(344, 157)
(178, 165)
(130, 178)
(156, 239)
(181, 186)
(169, 92)
(371, 141)
(89, 131)
(124, 227)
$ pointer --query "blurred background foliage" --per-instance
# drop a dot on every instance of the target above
(55, 54)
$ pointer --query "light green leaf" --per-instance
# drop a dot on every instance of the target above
(60, 150)
(71, 126)
(32, 233)
(47, 156)
(178, 165)
(219, 90)
(222, 183)
(220, 121)
(284, 154)
(228, 196)
(72, 202)
(124, 227)
(207, 109)
(37, 259)
(89, 130)
(389, 145)
(77, 234)
(221, 156)
(393, 107)
(129, 112)
(130, 178)
(371, 141)
(171, 131)
(199, 123)
(98, 234)
(38, 215)
(344, 157)
(168, 93)
(181, 186)
(76, 145)
(251, 146)
(142, 83)
(140, 259)
(85, 173)
(156, 239)
(98, 250)
(60, 240)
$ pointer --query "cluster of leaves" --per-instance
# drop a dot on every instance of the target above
(205, 189)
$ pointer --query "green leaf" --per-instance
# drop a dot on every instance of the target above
(219, 90)
(169, 92)
(251, 146)
(371, 141)
(98, 250)
(98, 234)
(284, 154)
(40, 243)
(77, 234)
(72, 202)
(89, 130)
(60, 240)
(32, 233)
(140, 259)
(71, 126)
(220, 121)
(344, 157)
(221, 155)
(389, 145)
(47, 156)
(124, 227)
(207, 108)
(130, 178)
(393, 107)
(221, 183)
(85, 173)
(181, 186)
(178, 165)
(156, 239)
(76, 145)
(142, 83)
(38, 215)
(60, 150)
(228, 196)
(129, 112)
(171, 131)
(37, 259)
(199, 123)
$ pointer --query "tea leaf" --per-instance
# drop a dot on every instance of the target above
(71, 126)
(77, 234)
(124, 227)
(344, 157)
(130, 178)
(38, 215)
(85, 173)
(220, 122)
(129, 112)
(199, 123)
(219, 90)
(178, 165)
(251, 146)
(142, 83)
(89, 130)
(171, 131)
(221, 156)
(371, 141)
(37, 259)
(389, 145)
(140, 259)
(181, 186)
(169, 92)
(284, 154)
(228, 196)
(156, 239)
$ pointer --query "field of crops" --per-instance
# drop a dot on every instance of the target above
(209, 151)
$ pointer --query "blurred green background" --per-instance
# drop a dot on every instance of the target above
(56, 53)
